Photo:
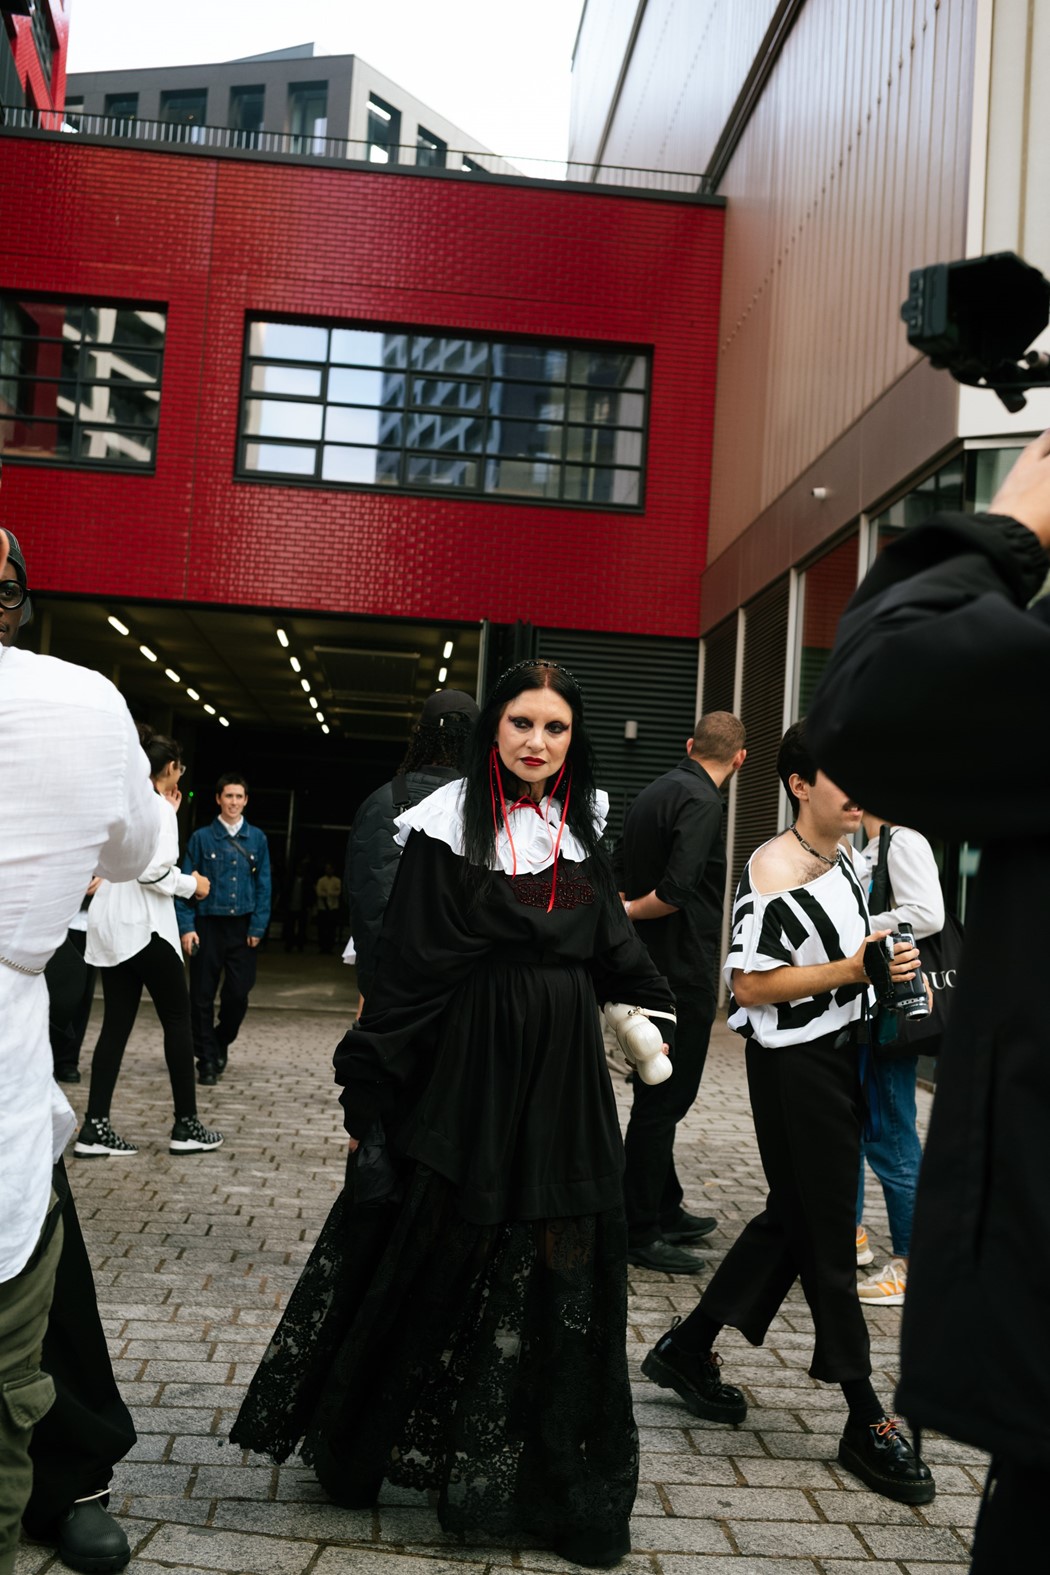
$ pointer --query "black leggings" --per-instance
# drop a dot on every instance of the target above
(159, 967)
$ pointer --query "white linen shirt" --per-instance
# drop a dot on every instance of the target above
(76, 797)
(123, 915)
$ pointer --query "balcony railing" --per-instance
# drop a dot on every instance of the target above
(341, 150)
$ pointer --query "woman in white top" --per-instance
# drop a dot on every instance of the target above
(133, 937)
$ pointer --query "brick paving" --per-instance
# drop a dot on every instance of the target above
(194, 1258)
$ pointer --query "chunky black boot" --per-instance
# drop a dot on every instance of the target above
(597, 1550)
(882, 1457)
(697, 1379)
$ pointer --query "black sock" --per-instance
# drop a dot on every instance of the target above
(697, 1333)
(865, 1407)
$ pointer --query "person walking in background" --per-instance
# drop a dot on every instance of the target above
(67, 1034)
(133, 938)
(220, 934)
(329, 893)
(910, 881)
(797, 968)
(435, 755)
(61, 826)
(297, 906)
(672, 873)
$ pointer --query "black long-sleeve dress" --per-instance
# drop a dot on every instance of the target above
(934, 713)
(461, 1324)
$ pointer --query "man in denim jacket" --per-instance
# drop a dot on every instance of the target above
(220, 934)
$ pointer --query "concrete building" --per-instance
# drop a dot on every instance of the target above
(289, 100)
(852, 143)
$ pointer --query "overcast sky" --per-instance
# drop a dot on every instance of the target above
(499, 69)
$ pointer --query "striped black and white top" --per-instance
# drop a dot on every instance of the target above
(822, 921)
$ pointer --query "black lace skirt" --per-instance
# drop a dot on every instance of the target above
(484, 1363)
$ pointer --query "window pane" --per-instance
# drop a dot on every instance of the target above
(356, 347)
(288, 341)
(426, 471)
(361, 466)
(119, 104)
(110, 447)
(303, 380)
(37, 439)
(345, 424)
(527, 401)
(535, 478)
(451, 396)
(827, 586)
(118, 404)
(431, 354)
(246, 108)
(625, 370)
(355, 386)
(606, 405)
(534, 363)
(281, 418)
(595, 485)
(141, 366)
(186, 106)
(279, 457)
(448, 432)
(603, 446)
(524, 438)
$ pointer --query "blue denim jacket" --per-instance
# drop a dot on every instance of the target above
(234, 889)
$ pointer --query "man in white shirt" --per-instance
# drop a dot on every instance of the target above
(100, 812)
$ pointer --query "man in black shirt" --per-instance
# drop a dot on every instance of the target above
(673, 868)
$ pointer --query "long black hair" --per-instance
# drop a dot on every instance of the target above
(159, 749)
(479, 824)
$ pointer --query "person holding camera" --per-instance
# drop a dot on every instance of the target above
(220, 934)
(947, 617)
(133, 939)
(798, 968)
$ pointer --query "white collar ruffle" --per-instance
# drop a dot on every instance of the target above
(440, 815)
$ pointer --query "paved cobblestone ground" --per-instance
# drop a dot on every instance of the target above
(194, 1259)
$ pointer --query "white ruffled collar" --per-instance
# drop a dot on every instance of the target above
(440, 815)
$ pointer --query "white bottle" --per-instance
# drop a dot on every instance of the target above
(640, 1039)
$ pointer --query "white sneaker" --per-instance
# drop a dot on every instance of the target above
(885, 1289)
(864, 1252)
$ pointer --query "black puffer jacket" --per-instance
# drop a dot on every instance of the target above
(371, 861)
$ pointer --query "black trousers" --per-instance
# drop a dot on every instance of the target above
(806, 1102)
(77, 991)
(652, 1191)
(89, 1428)
(159, 967)
(1011, 1527)
(224, 954)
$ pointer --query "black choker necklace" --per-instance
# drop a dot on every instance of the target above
(829, 862)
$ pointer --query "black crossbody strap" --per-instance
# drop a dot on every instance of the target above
(399, 791)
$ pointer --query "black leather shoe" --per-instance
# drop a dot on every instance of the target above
(67, 1072)
(688, 1228)
(220, 1065)
(596, 1550)
(697, 1379)
(89, 1539)
(207, 1076)
(882, 1457)
(665, 1257)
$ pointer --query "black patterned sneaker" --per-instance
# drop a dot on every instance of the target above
(190, 1136)
(882, 1457)
(697, 1379)
(97, 1140)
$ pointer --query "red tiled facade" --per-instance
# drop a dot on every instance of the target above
(40, 93)
(216, 239)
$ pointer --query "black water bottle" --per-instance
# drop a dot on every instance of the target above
(909, 995)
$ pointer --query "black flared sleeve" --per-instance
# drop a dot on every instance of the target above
(426, 949)
(932, 711)
(622, 969)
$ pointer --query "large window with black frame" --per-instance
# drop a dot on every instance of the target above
(80, 381)
(339, 405)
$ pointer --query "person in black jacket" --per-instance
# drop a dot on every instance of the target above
(435, 756)
(672, 866)
(939, 640)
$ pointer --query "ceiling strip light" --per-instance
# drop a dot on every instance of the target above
(283, 638)
(151, 656)
(116, 624)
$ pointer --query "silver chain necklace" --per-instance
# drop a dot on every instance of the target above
(817, 855)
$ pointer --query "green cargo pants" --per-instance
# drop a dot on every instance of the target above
(26, 1393)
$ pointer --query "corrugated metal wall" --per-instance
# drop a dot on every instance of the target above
(720, 667)
(852, 170)
(629, 678)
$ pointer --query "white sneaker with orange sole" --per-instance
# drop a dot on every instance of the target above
(864, 1252)
(885, 1289)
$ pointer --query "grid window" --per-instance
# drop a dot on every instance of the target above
(344, 406)
(80, 382)
(384, 131)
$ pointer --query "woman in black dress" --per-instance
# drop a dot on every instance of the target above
(461, 1324)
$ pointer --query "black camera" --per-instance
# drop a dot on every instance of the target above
(977, 317)
(909, 995)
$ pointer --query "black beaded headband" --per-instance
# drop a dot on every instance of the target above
(536, 661)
